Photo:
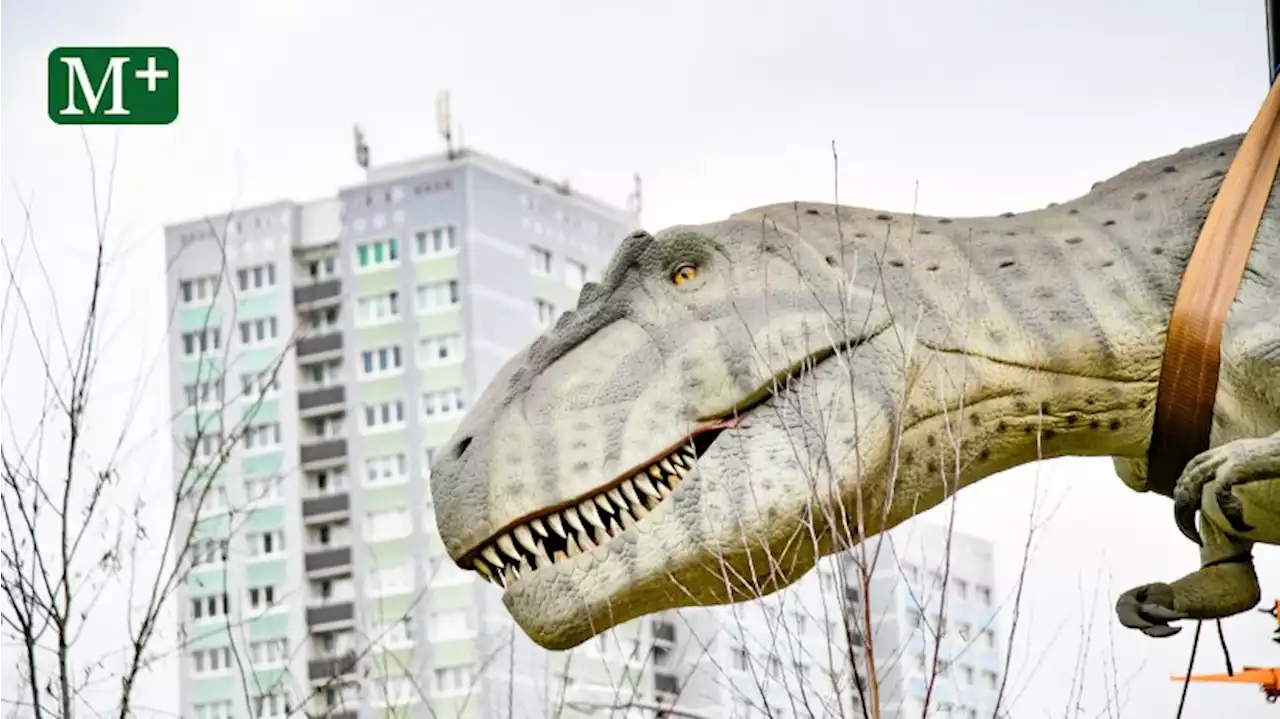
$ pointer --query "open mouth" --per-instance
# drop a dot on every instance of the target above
(580, 525)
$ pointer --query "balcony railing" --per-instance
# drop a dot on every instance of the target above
(330, 613)
(317, 292)
(323, 451)
(331, 667)
(319, 344)
(318, 561)
(330, 504)
(321, 397)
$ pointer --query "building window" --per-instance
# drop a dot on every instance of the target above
(436, 241)
(259, 331)
(377, 253)
(209, 607)
(262, 436)
(387, 524)
(378, 309)
(204, 446)
(443, 404)
(452, 624)
(204, 552)
(262, 383)
(201, 341)
(265, 544)
(386, 468)
(268, 651)
(199, 290)
(437, 296)
(984, 594)
(321, 321)
(262, 598)
(441, 349)
(575, 274)
(203, 393)
(959, 588)
(271, 705)
(210, 661)
(262, 489)
(544, 312)
(991, 679)
(325, 374)
(323, 268)
(213, 710)
(260, 277)
(384, 415)
(380, 361)
(452, 680)
(400, 631)
(741, 660)
(539, 260)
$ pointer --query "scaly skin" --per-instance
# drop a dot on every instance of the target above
(821, 333)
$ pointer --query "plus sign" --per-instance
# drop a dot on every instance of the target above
(151, 74)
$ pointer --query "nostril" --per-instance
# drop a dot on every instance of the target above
(461, 448)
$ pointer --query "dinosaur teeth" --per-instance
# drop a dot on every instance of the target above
(562, 535)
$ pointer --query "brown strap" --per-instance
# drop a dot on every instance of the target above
(1189, 375)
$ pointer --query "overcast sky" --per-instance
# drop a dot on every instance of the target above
(985, 106)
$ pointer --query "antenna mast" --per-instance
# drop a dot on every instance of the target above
(444, 121)
(362, 149)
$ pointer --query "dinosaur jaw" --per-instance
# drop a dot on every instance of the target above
(558, 534)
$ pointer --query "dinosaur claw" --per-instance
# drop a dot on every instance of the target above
(1160, 631)
(1138, 609)
(1184, 514)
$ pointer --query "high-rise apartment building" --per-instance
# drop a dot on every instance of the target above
(337, 342)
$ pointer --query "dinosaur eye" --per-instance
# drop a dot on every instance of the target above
(684, 273)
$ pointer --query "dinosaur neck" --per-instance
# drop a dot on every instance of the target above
(1040, 334)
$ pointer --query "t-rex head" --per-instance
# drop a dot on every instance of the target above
(653, 450)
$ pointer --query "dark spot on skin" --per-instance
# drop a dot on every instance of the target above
(1114, 425)
(1006, 214)
(860, 235)
(932, 268)
(1215, 173)
(933, 441)
(1167, 169)
(895, 263)
(975, 420)
(1109, 223)
(1108, 263)
(933, 466)
(578, 444)
(1222, 153)
(1071, 419)
(1139, 196)
(1052, 204)
(1045, 293)
(944, 220)
(1026, 429)
(812, 211)
(1044, 408)
(1090, 401)
(908, 457)
(1050, 434)
(1093, 424)
(581, 466)
(1073, 211)
(1074, 240)
(1007, 263)
(1157, 250)
(584, 426)
(1002, 426)
(883, 217)
(1021, 406)
(984, 454)
(831, 260)
(1142, 403)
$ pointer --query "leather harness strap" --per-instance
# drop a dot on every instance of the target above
(1192, 356)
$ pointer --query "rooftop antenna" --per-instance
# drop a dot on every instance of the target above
(362, 149)
(635, 202)
(444, 121)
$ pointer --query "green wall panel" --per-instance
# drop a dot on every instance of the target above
(206, 581)
(386, 609)
(386, 335)
(213, 527)
(208, 638)
(434, 434)
(442, 377)
(197, 370)
(380, 390)
(439, 323)
(265, 572)
(269, 625)
(382, 280)
(459, 596)
(268, 410)
(197, 317)
(383, 443)
(270, 678)
(266, 518)
(392, 497)
(208, 422)
(261, 464)
(259, 306)
(389, 553)
(204, 690)
(257, 360)
(454, 653)
(443, 268)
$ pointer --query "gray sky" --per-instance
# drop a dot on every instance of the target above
(988, 106)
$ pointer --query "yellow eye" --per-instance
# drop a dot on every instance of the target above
(684, 273)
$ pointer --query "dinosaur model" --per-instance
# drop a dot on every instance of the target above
(734, 400)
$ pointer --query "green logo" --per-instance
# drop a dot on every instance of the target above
(113, 85)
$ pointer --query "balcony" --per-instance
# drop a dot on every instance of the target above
(666, 683)
(325, 508)
(326, 561)
(330, 614)
(320, 347)
(331, 667)
(326, 451)
(664, 632)
(311, 400)
(317, 293)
